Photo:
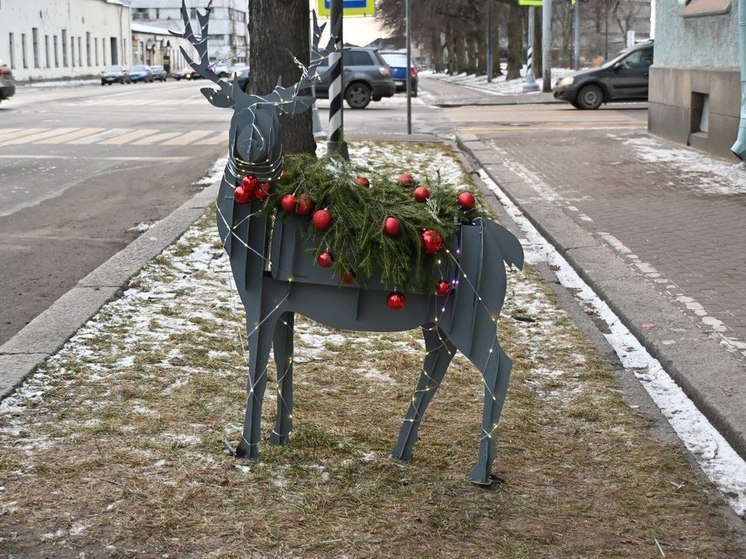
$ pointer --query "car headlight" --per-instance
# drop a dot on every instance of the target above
(565, 81)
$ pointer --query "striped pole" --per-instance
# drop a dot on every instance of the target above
(336, 144)
(530, 83)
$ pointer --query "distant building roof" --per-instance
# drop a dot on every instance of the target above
(152, 29)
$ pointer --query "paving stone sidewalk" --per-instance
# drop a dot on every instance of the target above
(661, 239)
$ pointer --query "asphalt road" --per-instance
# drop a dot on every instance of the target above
(81, 169)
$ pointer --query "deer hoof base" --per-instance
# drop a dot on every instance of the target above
(247, 451)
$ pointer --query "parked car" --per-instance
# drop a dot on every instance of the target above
(397, 61)
(623, 78)
(366, 77)
(141, 73)
(222, 69)
(187, 73)
(7, 83)
(115, 74)
(159, 73)
(241, 77)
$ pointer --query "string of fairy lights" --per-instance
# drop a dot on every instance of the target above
(440, 309)
(269, 169)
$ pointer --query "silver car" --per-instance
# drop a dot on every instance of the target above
(366, 77)
(7, 83)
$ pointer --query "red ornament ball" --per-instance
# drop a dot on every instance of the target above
(421, 193)
(443, 288)
(432, 242)
(395, 300)
(466, 201)
(325, 259)
(287, 203)
(262, 192)
(242, 195)
(406, 179)
(348, 277)
(363, 181)
(250, 182)
(322, 219)
(391, 227)
(304, 206)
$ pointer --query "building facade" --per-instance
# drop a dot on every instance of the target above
(155, 45)
(695, 82)
(228, 32)
(49, 39)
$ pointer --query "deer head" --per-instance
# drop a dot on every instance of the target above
(255, 145)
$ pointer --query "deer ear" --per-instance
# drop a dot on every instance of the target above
(217, 97)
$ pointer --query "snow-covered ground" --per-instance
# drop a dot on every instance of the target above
(499, 85)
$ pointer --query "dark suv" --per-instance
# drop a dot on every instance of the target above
(7, 83)
(623, 78)
(366, 77)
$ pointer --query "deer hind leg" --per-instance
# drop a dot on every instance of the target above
(440, 352)
(283, 346)
(496, 373)
(260, 341)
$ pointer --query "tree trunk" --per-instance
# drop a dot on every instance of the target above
(278, 28)
(451, 48)
(515, 42)
(459, 48)
(496, 50)
(473, 51)
(436, 50)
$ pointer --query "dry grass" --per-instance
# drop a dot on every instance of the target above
(122, 455)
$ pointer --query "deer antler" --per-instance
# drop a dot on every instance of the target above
(223, 97)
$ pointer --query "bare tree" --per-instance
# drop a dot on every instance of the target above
(279, 30)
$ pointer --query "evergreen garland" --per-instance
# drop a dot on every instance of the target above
(356, 238)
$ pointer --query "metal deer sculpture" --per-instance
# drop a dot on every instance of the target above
(276, 276)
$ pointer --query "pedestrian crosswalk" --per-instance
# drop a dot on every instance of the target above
(110, 137)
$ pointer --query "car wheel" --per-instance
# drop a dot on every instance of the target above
(590, 97)
(358, 95)
(103, 82)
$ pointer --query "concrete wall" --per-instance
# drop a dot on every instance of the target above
(47, 39)
(695, 89)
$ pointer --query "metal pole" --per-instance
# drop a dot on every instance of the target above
(577, 35)
(606, 33)
(546, 45)
(408, 15)
(336, 144)
(530, 84)
(489, 41)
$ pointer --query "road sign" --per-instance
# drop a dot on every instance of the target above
(349, 7)
(530, 2)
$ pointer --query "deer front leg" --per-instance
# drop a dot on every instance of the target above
(283, 346)
(496, 374)
(260, 341)
(440, 352)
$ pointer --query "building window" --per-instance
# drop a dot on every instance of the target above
(46, 51)
(56, 52)
(696, 8)
(139, 13)
(95, 49)
(35, 46)
(88, 48)
(72, 52)
(64, 48)
(23, 50)
(12, 50)
(80, 51)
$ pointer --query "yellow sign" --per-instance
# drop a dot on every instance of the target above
(349, 7)
(530, 2)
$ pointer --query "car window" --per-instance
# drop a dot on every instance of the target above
(139, 68)
(112, 69)
(395, 59)
(357, 58)
(639, 59)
